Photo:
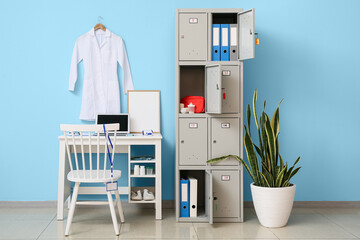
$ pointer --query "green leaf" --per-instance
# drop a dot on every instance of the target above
(279, 177)
(254, 109)
(214, 160)
(248, 115)
(281, 161)
(250, 153)
(294, 172)
(258, 150)
(271, 142)
(265, 180)
(246, 166)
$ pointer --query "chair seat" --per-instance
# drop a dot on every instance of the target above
(92, 177)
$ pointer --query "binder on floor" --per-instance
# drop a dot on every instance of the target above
(193, 182)
(216, 38)
(233, 42)
(225, 42)
(184, 198)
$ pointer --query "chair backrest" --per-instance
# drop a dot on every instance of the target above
(93, 138)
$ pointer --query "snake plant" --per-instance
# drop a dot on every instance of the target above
(274, 172)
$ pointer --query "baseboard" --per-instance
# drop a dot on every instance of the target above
(315, 204)
(170, 204)
(24, 204)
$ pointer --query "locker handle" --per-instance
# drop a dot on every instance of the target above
(215, 198)
(182, 141)
(214, 141)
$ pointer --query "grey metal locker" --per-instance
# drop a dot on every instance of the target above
(226, 194)
(213, 89)
(192, 141)
(193, 36)
(225, 139)
(246, 31)
(218, 131)
(230, 96)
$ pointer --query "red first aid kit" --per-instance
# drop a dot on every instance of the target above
(198, 101)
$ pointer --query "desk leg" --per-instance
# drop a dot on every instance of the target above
(64, 186)
(158, 189)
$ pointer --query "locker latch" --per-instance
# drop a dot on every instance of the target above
(224, 93)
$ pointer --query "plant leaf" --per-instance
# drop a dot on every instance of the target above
(271, 142)
(248, 115)
(279, 178)
(265, 180)
(250, 153)
(214, 160)
(254, 109)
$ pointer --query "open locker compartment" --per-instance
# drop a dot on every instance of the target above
(192, 81)
(204, 195)
(224, 18)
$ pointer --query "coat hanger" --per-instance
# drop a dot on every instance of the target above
(100, 25)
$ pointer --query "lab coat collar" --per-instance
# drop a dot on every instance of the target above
(107, 33)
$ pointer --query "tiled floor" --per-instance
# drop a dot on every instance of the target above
(95, 223)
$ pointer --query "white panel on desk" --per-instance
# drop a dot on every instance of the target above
(144, 110)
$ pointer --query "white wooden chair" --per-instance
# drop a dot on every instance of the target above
(81, 141)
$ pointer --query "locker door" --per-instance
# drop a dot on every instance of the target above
(226, 193)
(230, 89)
(225, 139)
(213, 89)
(246, 31)
(209, 196)
(193, 36)
(192, 141)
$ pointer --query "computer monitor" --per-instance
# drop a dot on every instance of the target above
(122, 119)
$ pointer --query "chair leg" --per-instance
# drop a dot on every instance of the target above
(72, 209)
(113, 213)
(118, 203)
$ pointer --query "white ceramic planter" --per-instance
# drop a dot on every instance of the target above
(273, 205)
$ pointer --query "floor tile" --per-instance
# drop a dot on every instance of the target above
(17, 229)
(250, 228)
(310, 226)
(139, 224)
(20, 213)
(348, 219)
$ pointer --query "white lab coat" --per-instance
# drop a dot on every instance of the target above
(100, 52)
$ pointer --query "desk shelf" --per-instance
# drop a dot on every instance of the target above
(142, 161)
(143, 176)
(142, 201)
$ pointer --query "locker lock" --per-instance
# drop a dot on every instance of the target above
(214, 141)
(182, 141)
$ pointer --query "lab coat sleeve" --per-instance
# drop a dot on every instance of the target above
(76, 58)
(124, 63)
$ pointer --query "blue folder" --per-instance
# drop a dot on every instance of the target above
(184, 198)
(225, 56)
(216, 40)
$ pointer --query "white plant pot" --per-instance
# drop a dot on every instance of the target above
(273, 205)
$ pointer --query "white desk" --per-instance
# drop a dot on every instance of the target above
(124, 143)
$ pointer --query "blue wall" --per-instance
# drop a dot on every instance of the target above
(309, 55)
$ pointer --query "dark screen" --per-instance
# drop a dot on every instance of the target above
(122, 119)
